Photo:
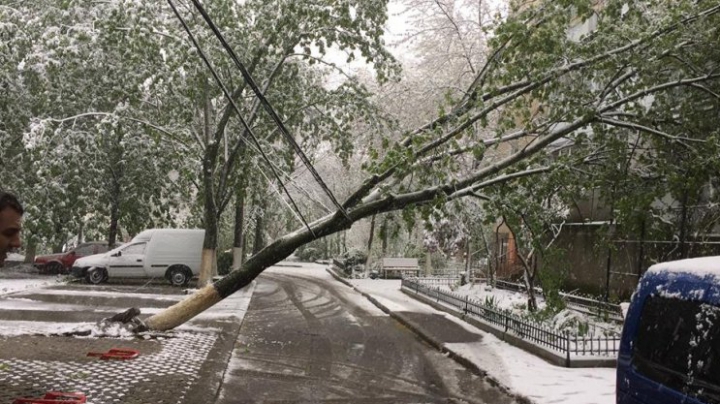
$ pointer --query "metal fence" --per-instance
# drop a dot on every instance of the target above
(438, 281)
(560, 341)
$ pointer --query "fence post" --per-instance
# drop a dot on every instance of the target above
(466, 304)
(567, 351)
(417, 287)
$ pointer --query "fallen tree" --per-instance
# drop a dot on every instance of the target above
(537, 94)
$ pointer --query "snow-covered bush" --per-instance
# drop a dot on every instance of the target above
(355, 256)
(309, 254)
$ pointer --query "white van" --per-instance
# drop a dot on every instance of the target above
(174, 254)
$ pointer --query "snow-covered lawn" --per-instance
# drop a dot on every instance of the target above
(516, 303)
(518, 370)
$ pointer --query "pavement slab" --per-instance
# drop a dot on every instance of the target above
(185, 365)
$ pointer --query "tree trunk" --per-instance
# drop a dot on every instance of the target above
(428, 263)
(60, 238)
(275, 252)
(467, 260)
(80, 233)
(30, 252)
(528, 273)
(372, 235)
(384, 236)
(530, 284)
(259, 240)
(238, 239)
(683, 253)
(208, 264)
(114, 213)
(489, 255)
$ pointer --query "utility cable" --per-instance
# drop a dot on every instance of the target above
(248, 78)
(239, 115)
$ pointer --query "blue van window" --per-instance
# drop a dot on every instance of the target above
(678, 345)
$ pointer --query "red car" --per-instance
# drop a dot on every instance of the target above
(61, 263)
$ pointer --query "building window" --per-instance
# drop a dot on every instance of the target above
(503, 250)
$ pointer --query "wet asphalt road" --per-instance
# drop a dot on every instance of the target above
(305, 339)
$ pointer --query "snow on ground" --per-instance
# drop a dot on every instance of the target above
(99, 293)
(313, 271)
(232, 308)
(516, 303)
(518, 370)
(500, 298)
(8, 286)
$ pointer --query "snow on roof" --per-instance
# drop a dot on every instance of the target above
(696, 266)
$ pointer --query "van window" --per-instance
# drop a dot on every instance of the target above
(135, 249)
(678, 345)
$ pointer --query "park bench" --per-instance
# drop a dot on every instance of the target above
(399, 267)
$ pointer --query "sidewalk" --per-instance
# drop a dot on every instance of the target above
(185, 365)
(517, 370)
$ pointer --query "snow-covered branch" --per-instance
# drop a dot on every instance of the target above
(646, 129)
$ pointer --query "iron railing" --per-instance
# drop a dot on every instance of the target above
(560, 341)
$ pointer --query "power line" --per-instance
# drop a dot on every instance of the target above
(237, 110)
(248, 78)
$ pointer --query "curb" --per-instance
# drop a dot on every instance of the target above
(439, 345)
(217, 367)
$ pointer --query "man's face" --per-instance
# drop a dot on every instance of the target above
(10, 226)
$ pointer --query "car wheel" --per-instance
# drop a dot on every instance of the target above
(179, 276)
(95, 276)
(53, 268)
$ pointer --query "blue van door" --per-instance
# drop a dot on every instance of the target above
(670, 349)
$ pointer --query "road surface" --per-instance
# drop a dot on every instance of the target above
(307, 338)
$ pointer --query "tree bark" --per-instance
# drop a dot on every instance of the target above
(259, 239)
(238, 234)
(208, 264)
(384, 236)
(468, 259)
(372, 235)
(30, 252)
(114, 216)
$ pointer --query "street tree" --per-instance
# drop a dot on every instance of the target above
(80, 159)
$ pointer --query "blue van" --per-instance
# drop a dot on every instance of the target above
(670, 348)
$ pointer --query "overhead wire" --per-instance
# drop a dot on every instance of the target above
(239, 114)
(268, 108)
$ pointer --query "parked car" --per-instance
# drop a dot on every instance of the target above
(62, 262)
(670, 347)
(174, 254)
(14, 259)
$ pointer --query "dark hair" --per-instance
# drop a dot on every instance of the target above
(8, 200)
